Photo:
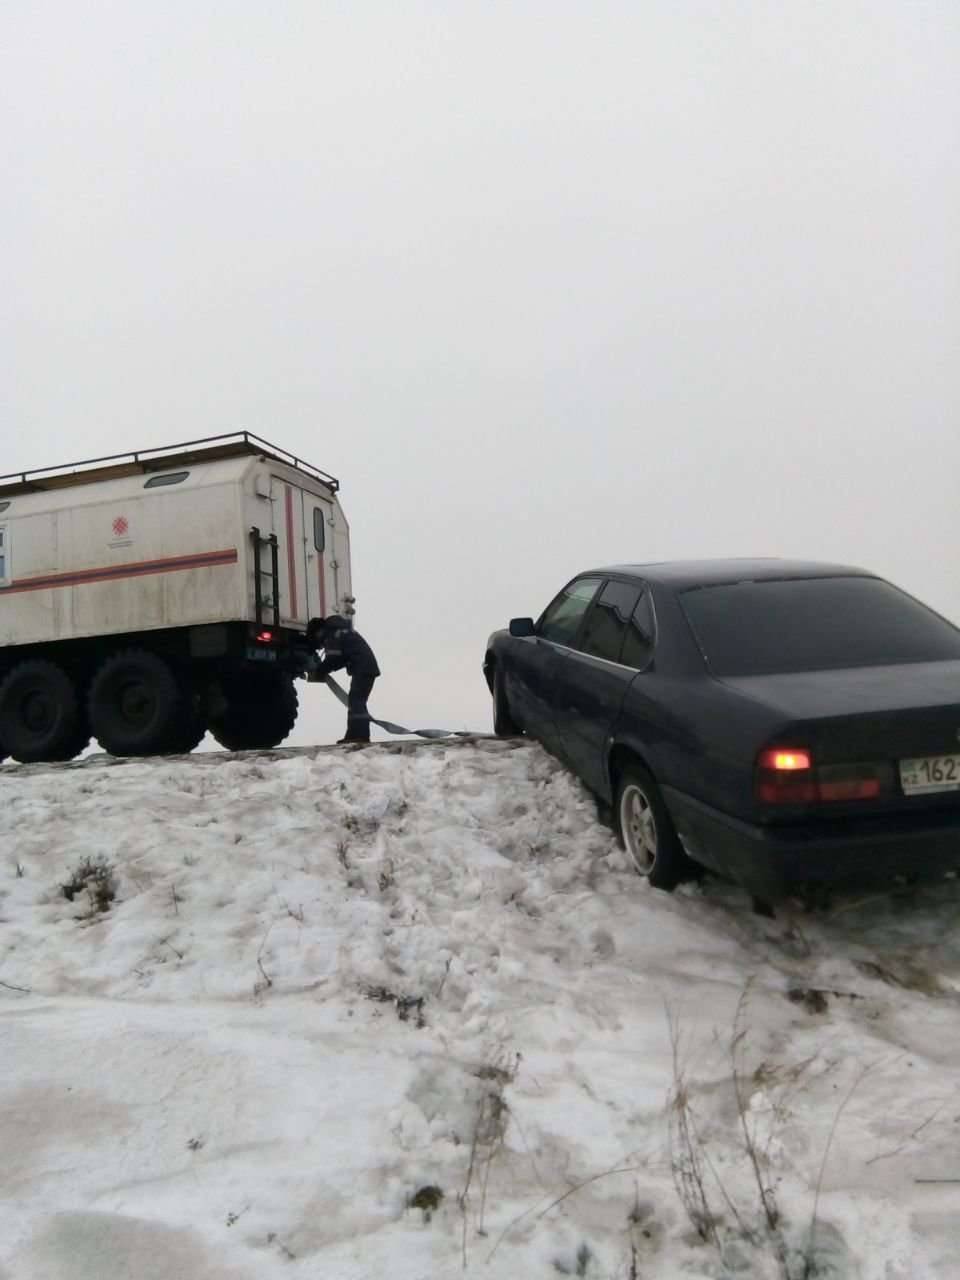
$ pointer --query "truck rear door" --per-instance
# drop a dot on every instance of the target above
(318, 524)
(304, 525)
(287, 502)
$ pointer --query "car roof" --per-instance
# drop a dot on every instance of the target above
(682, 575)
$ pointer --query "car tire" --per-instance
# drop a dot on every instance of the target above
(258, 711)
(504, 725)
(138, 704)
(41, 716)
(646, 831)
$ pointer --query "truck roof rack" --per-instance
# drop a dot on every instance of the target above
(209, 449)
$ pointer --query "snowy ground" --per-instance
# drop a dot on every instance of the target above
(332, 982)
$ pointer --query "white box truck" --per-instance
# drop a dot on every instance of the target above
(150, 596)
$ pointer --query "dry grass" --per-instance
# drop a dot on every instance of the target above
(94, 879)
(705, 1194)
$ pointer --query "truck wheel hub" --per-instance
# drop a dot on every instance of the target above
(37, 711)
(136, 704)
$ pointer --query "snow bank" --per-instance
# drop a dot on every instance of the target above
(333, 986)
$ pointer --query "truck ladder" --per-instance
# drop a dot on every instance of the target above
(272, 599)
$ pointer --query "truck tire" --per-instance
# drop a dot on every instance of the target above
(260, 711)
(138, 705)
(188, 736)
(191, 727)
(41, 717)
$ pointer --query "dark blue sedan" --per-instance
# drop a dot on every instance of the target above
(788, 725)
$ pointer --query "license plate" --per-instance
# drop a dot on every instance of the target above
(930, 773)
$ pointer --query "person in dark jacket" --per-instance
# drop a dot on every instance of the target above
(344, 647)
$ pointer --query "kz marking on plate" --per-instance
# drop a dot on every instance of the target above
(930, 773)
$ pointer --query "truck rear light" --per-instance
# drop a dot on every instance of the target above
(787, 776)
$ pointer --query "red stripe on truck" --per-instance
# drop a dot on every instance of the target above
(291, 557)
(113, 572)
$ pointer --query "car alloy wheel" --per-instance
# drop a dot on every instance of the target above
(646, 830)
(639, 826)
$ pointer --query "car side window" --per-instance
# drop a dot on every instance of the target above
(607, 620)
(640, 638)
(561, 621)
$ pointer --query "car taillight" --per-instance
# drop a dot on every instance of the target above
(853, 781)
(788, 775)
(785, 776)
(792, 760)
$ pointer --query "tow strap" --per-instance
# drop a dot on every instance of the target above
(339, 692)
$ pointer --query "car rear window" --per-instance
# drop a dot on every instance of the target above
(814, 624)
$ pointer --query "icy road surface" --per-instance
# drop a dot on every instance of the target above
(403, 1013)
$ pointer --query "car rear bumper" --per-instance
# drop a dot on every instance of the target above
(773, 861)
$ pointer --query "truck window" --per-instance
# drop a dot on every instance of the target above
(172, 477)
(4, 554)
(3, 506)
(319, 529)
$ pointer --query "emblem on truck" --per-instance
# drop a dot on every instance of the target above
(121, 526)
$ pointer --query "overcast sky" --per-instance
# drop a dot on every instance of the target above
(546, 284)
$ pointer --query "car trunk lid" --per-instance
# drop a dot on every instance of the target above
(868, 714)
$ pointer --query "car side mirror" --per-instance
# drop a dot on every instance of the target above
(522, 627)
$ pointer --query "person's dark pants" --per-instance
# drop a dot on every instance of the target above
(358, 717)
